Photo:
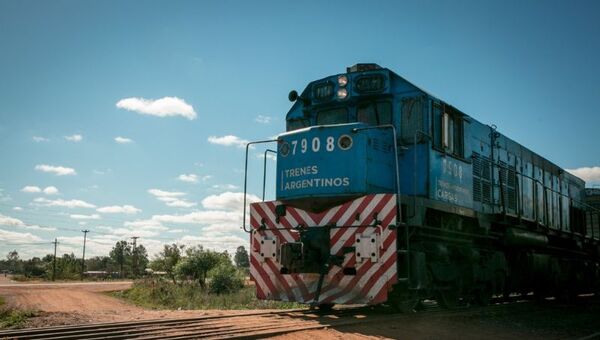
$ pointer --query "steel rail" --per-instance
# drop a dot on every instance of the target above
(267, 324)
(32, 331)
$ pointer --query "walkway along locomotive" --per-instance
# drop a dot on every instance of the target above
(386, 194)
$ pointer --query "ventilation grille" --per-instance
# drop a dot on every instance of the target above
(482, 188)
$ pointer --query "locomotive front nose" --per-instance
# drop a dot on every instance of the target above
(320, 167)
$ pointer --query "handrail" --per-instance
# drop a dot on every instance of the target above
(246, 178)
(265, 171)
(424, 134)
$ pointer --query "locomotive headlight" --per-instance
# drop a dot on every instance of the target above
(342, 80)
(284, 149)
(342, 93)
(345, 142)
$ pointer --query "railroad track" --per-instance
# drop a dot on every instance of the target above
(249, 325)
(237, 326)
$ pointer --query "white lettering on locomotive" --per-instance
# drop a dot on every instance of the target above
(313, 145)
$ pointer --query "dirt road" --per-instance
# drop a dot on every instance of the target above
(76, 303)
(82, 302)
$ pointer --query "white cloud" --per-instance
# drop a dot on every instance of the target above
(51, 190)
(18, 209)
(172, 198)
(162, 193)
(176, 231)
(11, 236)
(262, 119)
(123, 140)
(10, 221)
(588, 174)
(119, 209)
(85, 217)
(148, 224)
(225, 187)
(74, 138)
(163, 107)
(269, 155)
(228, 201)
(15, 222)
(63, 203)
(201, 217)
(57, 170)
(228, 140)
(216, 241)
(191, 178)
(31, 189)
(206, 178)
(38, 139)
(177, 203)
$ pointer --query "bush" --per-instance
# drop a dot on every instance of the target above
(225, 279)
(12, 318)
(161, 294)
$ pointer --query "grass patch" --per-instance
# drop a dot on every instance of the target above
(166, 295)
(12, 318)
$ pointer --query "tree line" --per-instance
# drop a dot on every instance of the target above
(125, 260)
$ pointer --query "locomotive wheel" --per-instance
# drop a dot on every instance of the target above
(448, 298)
(483, 295)
(326, 307)
(408, 305)
(403, 301)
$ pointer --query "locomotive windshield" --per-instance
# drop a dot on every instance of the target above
(299, 123)
(332, 116)
(374, 113)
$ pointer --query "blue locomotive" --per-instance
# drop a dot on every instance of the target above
(386, 194)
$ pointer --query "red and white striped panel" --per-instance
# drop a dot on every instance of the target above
(373, 279)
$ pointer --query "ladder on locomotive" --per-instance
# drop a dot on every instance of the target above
(403, 252)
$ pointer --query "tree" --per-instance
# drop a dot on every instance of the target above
(241, 257)
(13, 259)
(141, 259)
(167, 259)
(198, 262)
(120, 253)
(225, 278)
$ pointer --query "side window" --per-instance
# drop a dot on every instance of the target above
(449, 130)
(374, 113)
(412, 119)
(332, 116)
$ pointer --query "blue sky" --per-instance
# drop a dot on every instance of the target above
(225, 67)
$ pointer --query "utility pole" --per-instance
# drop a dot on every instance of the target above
(54, 262)
(85, 231)
(134, 238)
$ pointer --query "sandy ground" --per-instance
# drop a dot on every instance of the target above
(69, 302)
(75, 303)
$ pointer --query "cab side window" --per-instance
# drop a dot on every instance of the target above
(448, 130)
